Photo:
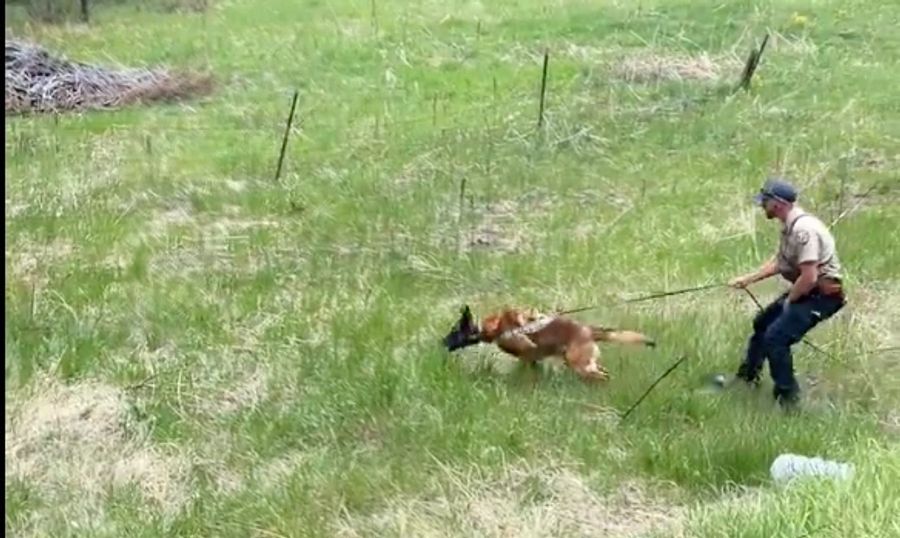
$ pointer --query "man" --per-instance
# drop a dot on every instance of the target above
(808, 259)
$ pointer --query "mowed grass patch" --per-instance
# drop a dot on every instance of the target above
(276, 344)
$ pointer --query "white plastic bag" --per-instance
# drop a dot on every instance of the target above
(787, 467)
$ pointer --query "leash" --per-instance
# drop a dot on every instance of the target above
(646, 297)
(660, 378)
(539, 324)
(804, 340)
(669, 293)
(529, 328)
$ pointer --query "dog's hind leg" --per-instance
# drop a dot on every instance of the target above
(582, 358)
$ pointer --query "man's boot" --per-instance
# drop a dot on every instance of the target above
(748, 376)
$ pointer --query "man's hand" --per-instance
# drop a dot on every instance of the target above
(768, 269)
(741, 282)
(804, 283)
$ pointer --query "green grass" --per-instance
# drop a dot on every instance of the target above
(237, 356)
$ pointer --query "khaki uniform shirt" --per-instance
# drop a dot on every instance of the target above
(805, 238)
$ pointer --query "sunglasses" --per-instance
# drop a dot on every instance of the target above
(765, 195)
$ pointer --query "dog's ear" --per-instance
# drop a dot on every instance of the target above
(463, 333)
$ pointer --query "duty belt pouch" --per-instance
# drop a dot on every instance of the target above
(830, 287)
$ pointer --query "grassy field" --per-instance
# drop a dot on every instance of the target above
(196, 349)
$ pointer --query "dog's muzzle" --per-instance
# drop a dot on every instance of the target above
(454, 342)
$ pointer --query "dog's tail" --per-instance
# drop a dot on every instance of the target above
(604, 334)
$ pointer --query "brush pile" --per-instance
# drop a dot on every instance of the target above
(36, 81)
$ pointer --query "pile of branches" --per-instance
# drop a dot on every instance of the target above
(36, 81)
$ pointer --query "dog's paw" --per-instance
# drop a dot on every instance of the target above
(603, 374)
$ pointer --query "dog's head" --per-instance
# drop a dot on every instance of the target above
(464, 333)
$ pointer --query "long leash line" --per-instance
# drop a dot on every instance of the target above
(544, 321)
(881, 350)
(652, 296)
(660, 378)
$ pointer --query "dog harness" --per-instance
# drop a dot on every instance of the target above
(529, 328)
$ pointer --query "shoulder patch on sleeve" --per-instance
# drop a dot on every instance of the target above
(802, 236)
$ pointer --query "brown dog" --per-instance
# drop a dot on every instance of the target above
(532, 337)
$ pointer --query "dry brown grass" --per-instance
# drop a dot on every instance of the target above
(875, 160)
(274, 473)
(245, 390)
(890, 423)
(188, 6)
(30, 261)
(206, 240)
(799, 45)
(875, 311)
(650, 66)
(76, 443)
(506, 225)
(522, 503)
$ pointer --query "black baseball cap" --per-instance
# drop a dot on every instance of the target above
(777, 188)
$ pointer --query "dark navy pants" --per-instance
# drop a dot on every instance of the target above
(775, 331)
